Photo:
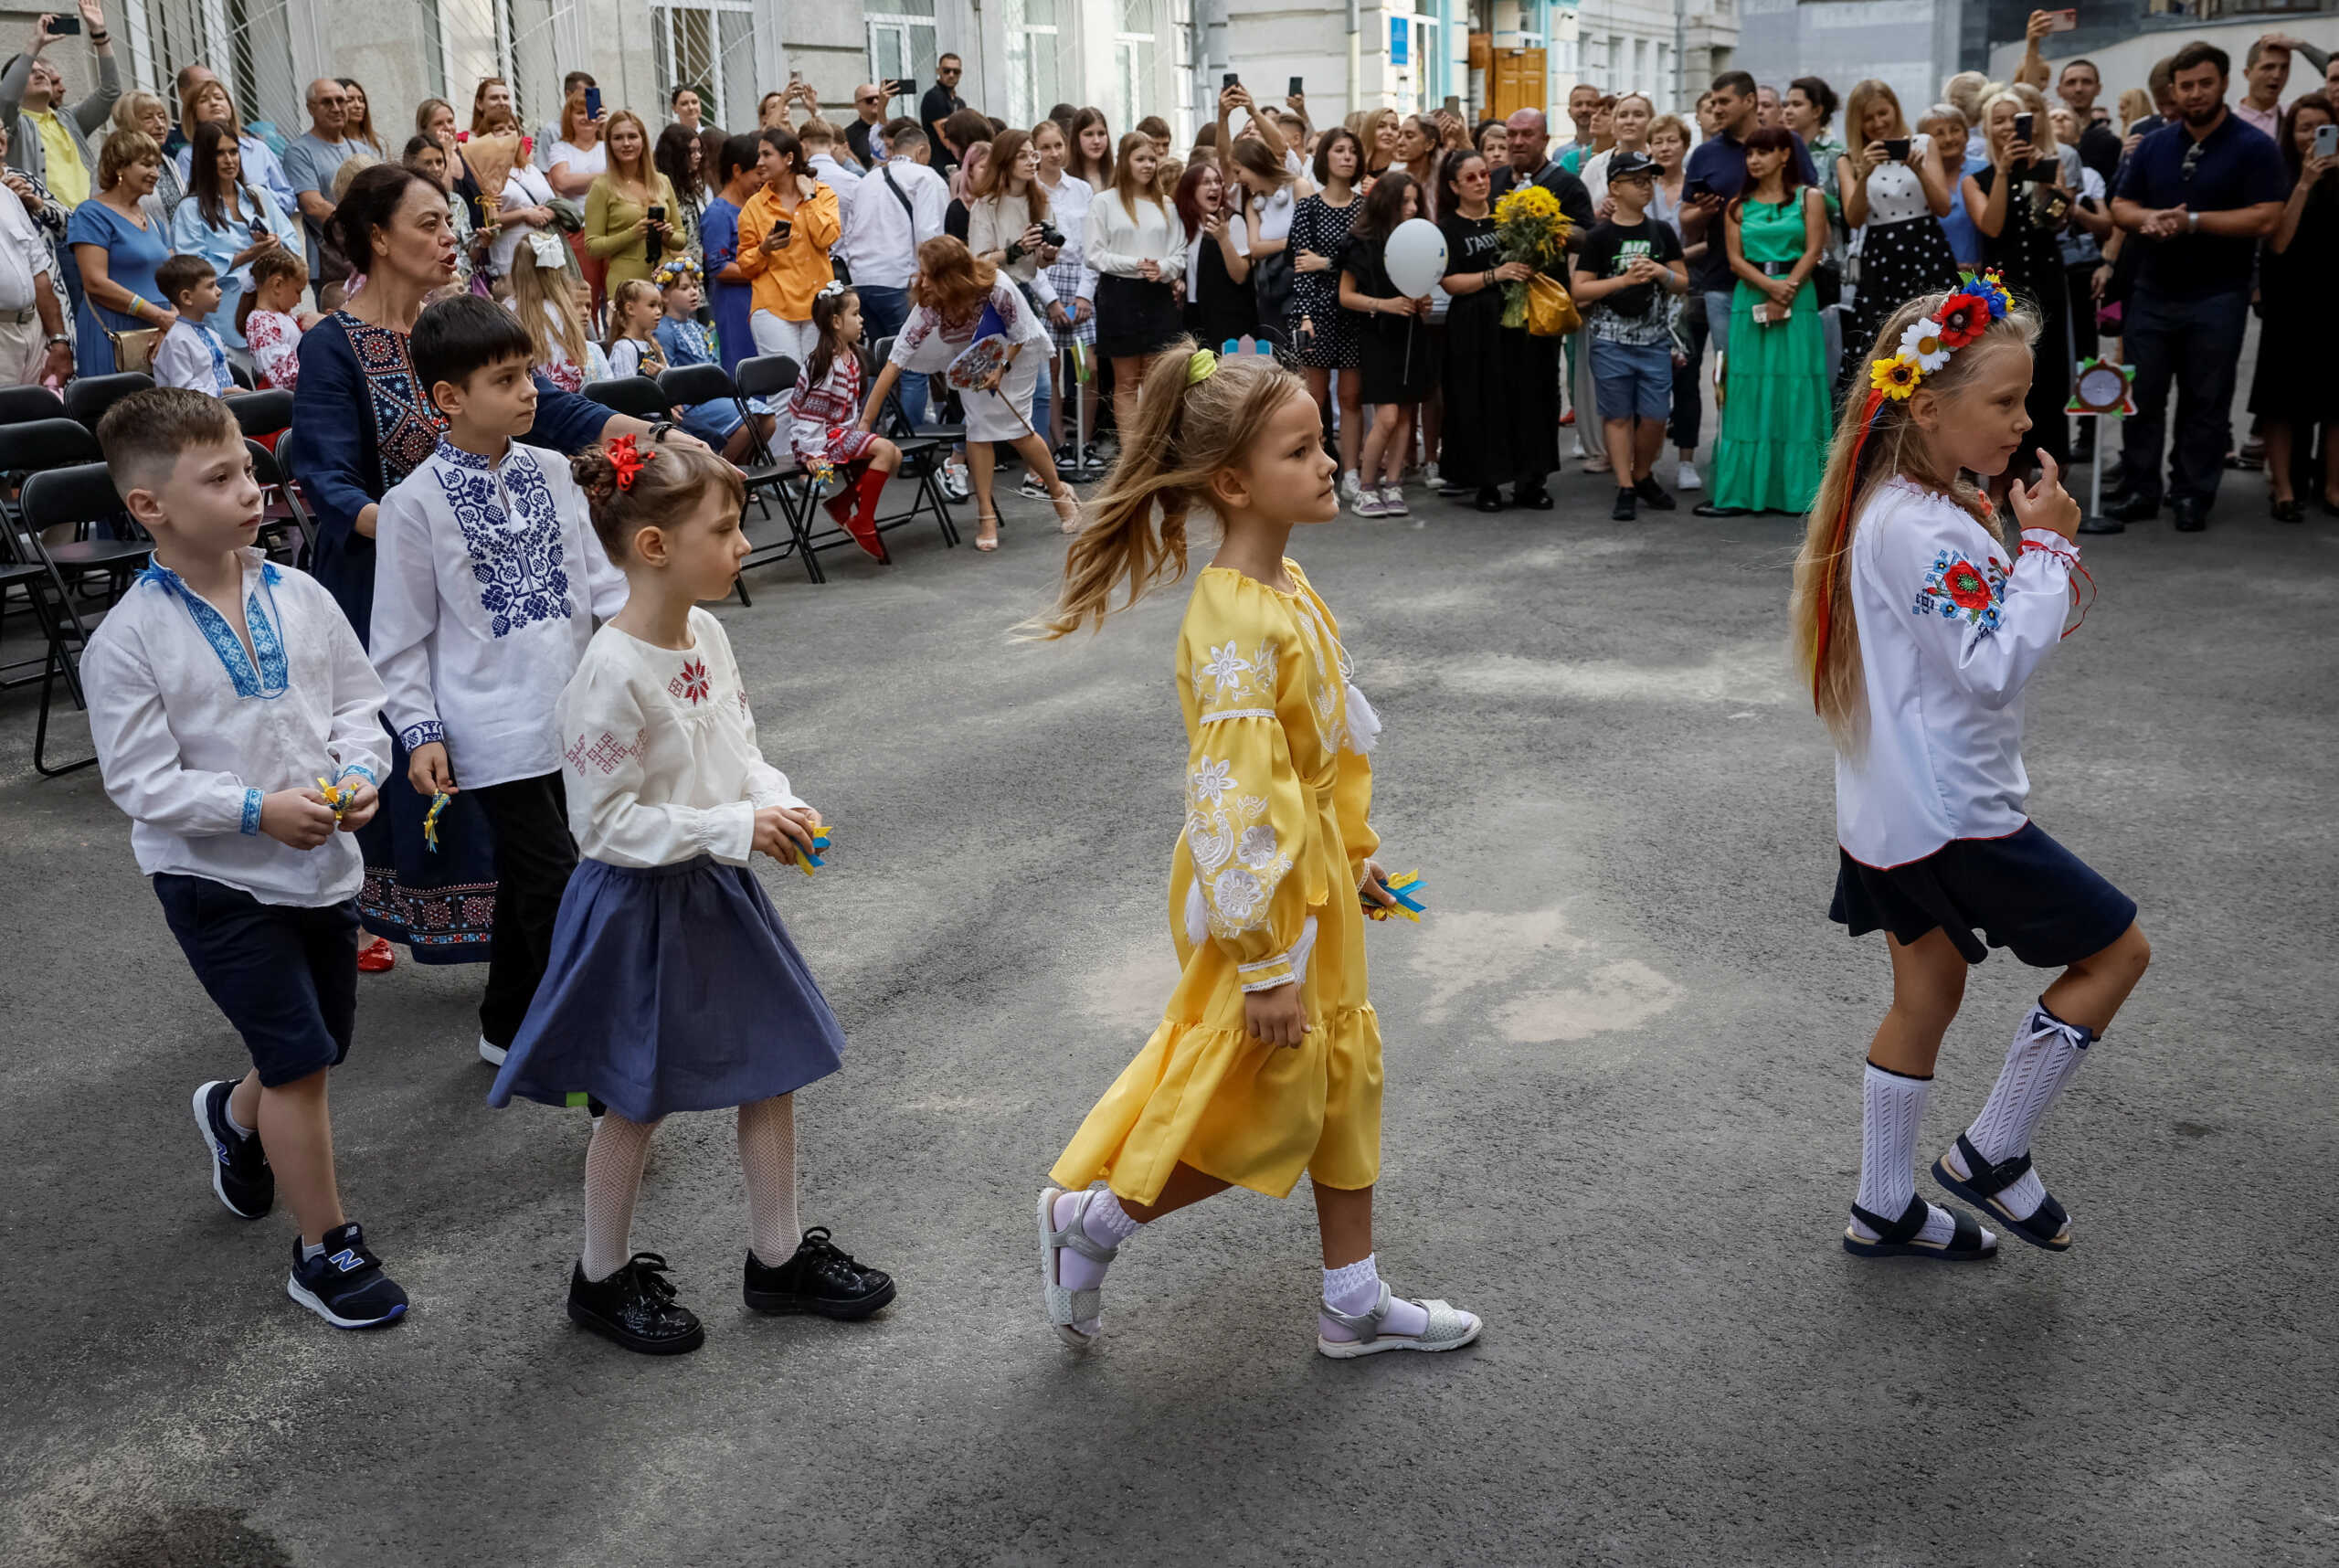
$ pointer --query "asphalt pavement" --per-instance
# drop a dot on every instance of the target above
(1621, 1124)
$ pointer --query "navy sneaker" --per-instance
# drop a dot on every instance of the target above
(820, 1278)
(239, 1171)
(344, 1285)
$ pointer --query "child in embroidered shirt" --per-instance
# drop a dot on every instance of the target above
(1268, 1060)
(487, 579)
(234, 714)
(634, 309)
(824, 423)
(191, 354)
(1919, 630)
(673, 986)
(271, 319)
(717, 421)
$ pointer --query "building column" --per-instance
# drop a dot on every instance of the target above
(307, 29)
(771, 52)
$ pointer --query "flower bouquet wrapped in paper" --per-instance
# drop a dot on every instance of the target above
(492, 160)
(1529, 227)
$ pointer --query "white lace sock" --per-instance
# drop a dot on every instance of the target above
(1354, 1289)
(1892, 1105)
(613, 1162)
(767, 1161)
(1105, 1223)
(2045, 1054)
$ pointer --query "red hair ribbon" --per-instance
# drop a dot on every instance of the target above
(1836, 545)
(628, 459)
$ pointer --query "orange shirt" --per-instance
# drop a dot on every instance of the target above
(784, 281)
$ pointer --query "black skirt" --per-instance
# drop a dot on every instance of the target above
(1396, 360)
(1135, 318)
(2024, 893)
(1502, 398)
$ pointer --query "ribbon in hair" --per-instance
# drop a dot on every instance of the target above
(1836, 540)
(1199, 367)
(628, 459)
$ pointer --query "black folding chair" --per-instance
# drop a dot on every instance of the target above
(635, 395)
(18, 404)
(20, 568)
(79, 496)
(88, 399)
(925, 449)
(272, 475)
(39, 445)
(767, 471)
(262, 414)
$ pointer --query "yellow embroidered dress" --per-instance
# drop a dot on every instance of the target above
(1263, 890)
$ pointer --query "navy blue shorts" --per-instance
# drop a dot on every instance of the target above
(285, 975)
(2024, 891)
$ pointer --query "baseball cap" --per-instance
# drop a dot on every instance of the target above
(1625, 166)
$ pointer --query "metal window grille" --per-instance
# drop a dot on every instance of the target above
(1033, 53)
(709, 45)
(902, 48)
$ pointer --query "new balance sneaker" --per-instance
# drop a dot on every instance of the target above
(821, 1277)
(239, 1171)
(1392, 501)
(1033, 487)
(344, 1284)
(636, 1307)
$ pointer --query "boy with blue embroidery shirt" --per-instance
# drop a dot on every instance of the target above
(235, 719)
(487, 581)
(190, 355)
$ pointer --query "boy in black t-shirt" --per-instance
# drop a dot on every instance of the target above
(1625, 277)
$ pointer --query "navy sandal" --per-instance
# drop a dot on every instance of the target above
(1898, 1238)
(2048, 1227)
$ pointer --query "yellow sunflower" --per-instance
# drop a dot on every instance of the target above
(1896, 377)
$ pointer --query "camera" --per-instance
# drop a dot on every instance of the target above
(1051, 235)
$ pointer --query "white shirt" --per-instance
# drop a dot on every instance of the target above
(192, 729)
(997, 221)
(1118, 242)
(191, 356)
(846, 180)
(526, 187)
(1895, 194)
(1275, 212)
(881, 238)
(487, 578)
(1202, 237)
(1068, 202)
(1949, 631)
(24, 254)
(659, 748)
(593, 159)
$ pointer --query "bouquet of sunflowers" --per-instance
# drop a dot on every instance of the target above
(1529, 227)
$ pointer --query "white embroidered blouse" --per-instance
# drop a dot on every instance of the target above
(1951, 630)
(928, 343)
(193, 728)
(487, 580)
(660, 748)
(835, 403)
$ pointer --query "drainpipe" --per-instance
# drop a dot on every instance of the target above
(1356, 59)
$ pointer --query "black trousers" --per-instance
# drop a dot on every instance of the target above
(534, 856)
(1689, 380)
(2195, 344)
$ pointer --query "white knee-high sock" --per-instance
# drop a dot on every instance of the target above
(2046, 1052)
(767, 1161)
(613, 1162)
(1892, 1106)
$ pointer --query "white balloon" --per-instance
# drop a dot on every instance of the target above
(1415, 256)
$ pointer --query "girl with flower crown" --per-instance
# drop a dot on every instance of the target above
(1268, 1061)
(1919, 625)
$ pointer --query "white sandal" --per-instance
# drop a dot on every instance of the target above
(1067, 1310)
(1449, 1329)
(1068, 497)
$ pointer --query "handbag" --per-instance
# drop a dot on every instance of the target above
(1550, 312)
(134, 350)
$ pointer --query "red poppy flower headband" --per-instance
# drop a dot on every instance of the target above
(628, 459)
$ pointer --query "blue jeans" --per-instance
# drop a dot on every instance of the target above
(2197, 343)
(883, 313)
(1718, 316)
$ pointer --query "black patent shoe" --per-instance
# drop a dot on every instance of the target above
(2288, 512)
(636, 1307)
(2133, 508)
(1488, 499)
(2190, 517)
(821, 1277)
(1530, 498)
(1714, 509)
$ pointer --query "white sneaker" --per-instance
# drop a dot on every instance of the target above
(1368, 503)
(953, 482)
(1392, 501)
(1686, 477)
(1033, 487)
(1350, 485)
(492, 1054)
(1429, 476)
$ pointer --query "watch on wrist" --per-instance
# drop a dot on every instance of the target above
(662, 430)
(56, 337)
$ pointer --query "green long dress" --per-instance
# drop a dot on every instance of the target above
(1775, 408)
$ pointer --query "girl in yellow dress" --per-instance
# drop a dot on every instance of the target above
(1267, 1061)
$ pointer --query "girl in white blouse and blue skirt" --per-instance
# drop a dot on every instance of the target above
(1920, 626)
(672, 984)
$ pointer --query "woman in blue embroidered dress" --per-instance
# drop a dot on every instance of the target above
(360, 424)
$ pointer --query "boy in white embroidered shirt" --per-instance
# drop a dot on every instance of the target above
(234, 715)
(487, 582)
(190, 355)
(1919, 628)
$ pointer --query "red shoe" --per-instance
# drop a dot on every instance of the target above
(376, 956)
(1567, 418)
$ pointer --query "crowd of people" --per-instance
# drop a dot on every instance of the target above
(1755, 249)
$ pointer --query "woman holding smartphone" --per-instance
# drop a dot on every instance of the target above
(227, 222)
(2294, 391)
(629, 203)
(1894, 196)
(1776, 409)
(2019, 201)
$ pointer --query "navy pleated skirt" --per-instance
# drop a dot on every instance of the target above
(670, 988)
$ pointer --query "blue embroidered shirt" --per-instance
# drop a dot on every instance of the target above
(194, 727)
(488, 580)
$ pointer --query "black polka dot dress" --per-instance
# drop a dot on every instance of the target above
(1322, 229)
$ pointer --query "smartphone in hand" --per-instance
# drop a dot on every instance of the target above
(592, 103)
(1896, 148)
(1298, 88)
(2326, 140)
(64, 26)
(1231, 78)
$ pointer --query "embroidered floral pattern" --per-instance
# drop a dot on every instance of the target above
(272, 677)
(1218, 838)
(430, 731)
(512, 528)
(1211, 781)
(691, 683)
(405, 428)
(1955, 588)
(251, 824)
(607, 752)
(1257, 846)
(1226, 667)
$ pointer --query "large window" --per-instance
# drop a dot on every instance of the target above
(1133, 61)
(709, 45)
(1035, 56)
(902, 47)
